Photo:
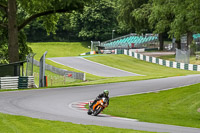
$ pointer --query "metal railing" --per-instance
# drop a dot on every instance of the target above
(106, 45)
(71, 74)
(118, 38)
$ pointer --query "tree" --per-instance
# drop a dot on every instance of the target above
(97, 20)
(159, 16)
(36, 31)
(16, 14)
(187, 18)
(179, 17)
(127, 19)
(176, 17)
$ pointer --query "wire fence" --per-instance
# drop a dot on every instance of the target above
(69, 74)
(58, 80)
(183, 56)
(29, 64)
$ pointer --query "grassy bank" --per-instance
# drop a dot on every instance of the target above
(59, 49)
(131, 64)
(175, 107)
(21, 124)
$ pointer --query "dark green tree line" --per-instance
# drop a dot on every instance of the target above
(97, 20)
(174, 17)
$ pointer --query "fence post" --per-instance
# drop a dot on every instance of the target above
(42, 70)
(64, 79)
(51, 81)
(84, 76)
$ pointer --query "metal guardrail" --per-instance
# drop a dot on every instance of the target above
(71, 74)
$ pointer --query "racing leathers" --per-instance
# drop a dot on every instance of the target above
(99, 97)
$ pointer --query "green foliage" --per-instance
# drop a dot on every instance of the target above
(36, 32)
(97, 20)
(49, 21)
(24, 49)
(128, 20)
(3, 47)
(160, 16)
(27, 11)
(193, 48)
(175, 17)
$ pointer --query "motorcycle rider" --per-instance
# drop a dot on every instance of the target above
(104, 94)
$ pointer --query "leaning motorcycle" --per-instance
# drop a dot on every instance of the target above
(98, 107)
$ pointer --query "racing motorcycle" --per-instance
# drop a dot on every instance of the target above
(98, 107)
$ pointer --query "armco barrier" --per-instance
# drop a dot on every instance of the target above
(74, 75)
(162, 62)
(17, 82)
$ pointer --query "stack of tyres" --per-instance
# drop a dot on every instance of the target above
(23, 83)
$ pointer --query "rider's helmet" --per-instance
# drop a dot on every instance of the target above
(106, 92)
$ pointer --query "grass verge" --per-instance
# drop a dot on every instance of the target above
(21, 124)
(178, 106)
(59, 49)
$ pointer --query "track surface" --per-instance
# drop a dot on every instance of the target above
(58, 103)
(91, 67)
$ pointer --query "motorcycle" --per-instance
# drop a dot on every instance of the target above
(98, 107)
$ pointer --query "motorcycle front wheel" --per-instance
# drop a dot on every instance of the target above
(89, 112)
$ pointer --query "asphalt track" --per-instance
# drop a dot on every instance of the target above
(94, 68)
(59, 103)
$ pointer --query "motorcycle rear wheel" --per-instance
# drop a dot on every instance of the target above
(96, 112)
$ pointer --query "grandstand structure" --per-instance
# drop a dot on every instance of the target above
(131, 41)
(196, 37)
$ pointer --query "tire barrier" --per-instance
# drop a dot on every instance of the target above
(17, 82)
